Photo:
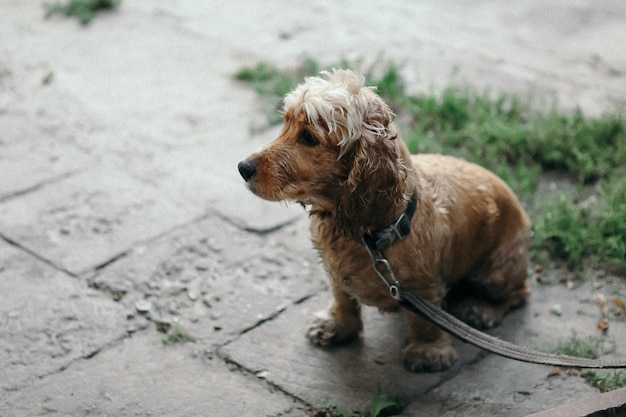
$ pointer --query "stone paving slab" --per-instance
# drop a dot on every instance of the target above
(28, 165)
(555, 51)
(346, 376)
(88, 219)
(50, 146)
(349, 376)
(214, 280)
(49, 320)
(496, 387)
(181, 134)
(140, 376)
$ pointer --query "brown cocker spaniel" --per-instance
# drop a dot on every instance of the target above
(339, 154)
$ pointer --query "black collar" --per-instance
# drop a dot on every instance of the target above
(399, 228)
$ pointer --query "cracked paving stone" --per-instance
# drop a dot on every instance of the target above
(479, 384)
(214, 280)
(348, 375)
(49, 320)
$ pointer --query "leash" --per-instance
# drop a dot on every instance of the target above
(377, 242)
(466, 333)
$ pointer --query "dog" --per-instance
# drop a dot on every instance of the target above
(340, 155)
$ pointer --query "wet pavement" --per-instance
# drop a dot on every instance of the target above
(123, 218)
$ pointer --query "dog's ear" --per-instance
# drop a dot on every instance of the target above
(377, 174)
(373, 154)
(378, 116)
(376, 169)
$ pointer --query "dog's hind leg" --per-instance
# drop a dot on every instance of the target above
(498, 286)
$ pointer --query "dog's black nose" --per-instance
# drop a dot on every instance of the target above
(247, 169)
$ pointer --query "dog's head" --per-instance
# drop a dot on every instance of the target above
(338, 152)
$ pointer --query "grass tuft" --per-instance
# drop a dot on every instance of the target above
(588, 233)
(175, 335)
(608, 382)
(380, 405)
(590, 347)
(84, 10)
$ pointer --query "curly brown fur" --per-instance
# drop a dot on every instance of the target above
(339, 154)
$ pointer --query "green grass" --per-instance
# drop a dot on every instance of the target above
(591, 347)
(84, 10)
(380, 405)
(608, 382)
(586, 233)
(174, 334)
(518, 140)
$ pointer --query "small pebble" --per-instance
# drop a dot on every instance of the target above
(143, 306)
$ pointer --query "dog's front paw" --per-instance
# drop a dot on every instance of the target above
(324, 330)
(429, 357)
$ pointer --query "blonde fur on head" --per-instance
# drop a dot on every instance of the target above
(341, 100)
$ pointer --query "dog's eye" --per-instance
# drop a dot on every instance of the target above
(308, 138)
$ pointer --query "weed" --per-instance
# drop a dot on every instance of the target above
(509, 135)
(591, 232)
(591, 347)
(84, 10)
(380, 405)
(384, 405)
(47, 80)
(608, 382)
(175, 335)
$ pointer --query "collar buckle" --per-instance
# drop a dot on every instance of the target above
(402, 226)
(397, 230)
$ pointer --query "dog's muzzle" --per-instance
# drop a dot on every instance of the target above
(247, 169)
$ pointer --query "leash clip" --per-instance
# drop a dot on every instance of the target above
(383, 269)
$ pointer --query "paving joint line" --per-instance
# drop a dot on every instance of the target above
(103, 265)
(249, 372)
(87, 356)
(36, 187)
(34, 254)
(257, 231)
(229, 360)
